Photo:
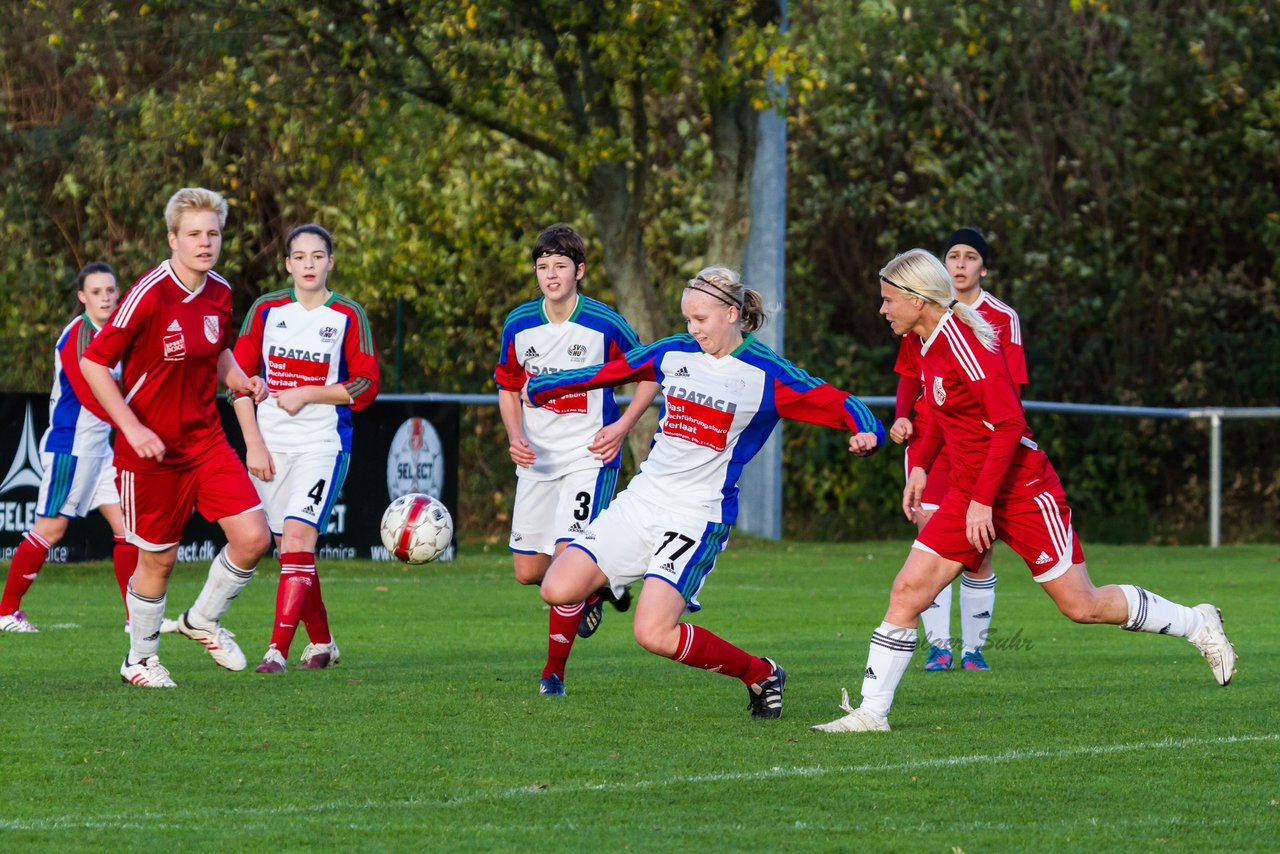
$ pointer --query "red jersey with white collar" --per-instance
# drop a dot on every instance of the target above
(973, 406)
(1003, 319)
(169, 339)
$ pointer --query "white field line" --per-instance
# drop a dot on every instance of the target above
(182, 819)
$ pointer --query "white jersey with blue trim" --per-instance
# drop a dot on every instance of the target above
(73, 429)
(717, 414)
(534, 346)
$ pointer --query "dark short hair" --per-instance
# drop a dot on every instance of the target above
(969, 236)
(310, 228)
(93, 267)
(560, 239)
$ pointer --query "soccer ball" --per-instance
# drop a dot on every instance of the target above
(416, 528)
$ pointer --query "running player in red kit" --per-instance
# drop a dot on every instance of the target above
(173, 333)
(1002, 487)
(967, 257)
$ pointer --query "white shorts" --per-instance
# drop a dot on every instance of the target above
(635, 539)
(73, 485)
(547, 512)
(305, 487)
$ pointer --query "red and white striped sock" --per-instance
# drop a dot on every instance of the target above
(702, 648)
(297, 578)
(562, 630)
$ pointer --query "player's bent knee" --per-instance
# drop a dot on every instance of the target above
(660, 640)
(1081, 610)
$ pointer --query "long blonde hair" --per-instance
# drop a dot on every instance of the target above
(725, 285)
(920, 274)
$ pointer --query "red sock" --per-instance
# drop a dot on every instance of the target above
(314, 615)
(562, 630)
(700, 647)
(297, 580)
(124, 559)
(27, 560)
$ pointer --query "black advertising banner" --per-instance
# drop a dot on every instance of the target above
(397, 447)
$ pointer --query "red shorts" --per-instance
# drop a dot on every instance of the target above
(157, 504)
(939, 481)
(1033, 520)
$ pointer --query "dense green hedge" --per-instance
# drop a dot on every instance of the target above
(1123, 159)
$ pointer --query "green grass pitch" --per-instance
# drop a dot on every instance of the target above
(431, 735)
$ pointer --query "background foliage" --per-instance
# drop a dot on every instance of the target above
(1122, 158)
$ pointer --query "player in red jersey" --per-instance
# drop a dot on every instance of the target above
(967, 257)
(1002, 487)
(173, 332)
(316, 351)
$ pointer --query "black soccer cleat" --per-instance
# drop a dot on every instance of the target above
(765, 696)
(620, 603)
(592, 613)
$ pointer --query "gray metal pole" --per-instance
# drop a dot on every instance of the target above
(1215, 480)
(763, 269)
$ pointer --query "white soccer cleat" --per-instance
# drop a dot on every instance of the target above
(318, 656)
(1212, 642)
(17, 622)
(168, 626)
(857, 720)
(147, 673)
(217, 640)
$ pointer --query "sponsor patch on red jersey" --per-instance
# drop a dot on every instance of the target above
(697, 423)
(575, 403)
(175, 347)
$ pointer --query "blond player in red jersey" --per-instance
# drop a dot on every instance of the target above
(967, 257)
(1002, 487)
(173, 333)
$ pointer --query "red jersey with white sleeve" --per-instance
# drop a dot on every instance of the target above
(169, 339)
(289, 345)
(973, 403)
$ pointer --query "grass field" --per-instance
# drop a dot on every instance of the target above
(431, 735)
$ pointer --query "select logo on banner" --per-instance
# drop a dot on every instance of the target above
(415, 460)
(415, 463)
(24, 473)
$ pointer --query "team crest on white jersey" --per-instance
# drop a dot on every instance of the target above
(939, 392)
(211, 328)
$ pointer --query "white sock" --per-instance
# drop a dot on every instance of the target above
(936, 620)
(977, 601)
(224, 583)
(1151, 613)
(145, 614)
(891, 649)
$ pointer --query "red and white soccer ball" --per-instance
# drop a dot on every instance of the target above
(416, 528)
